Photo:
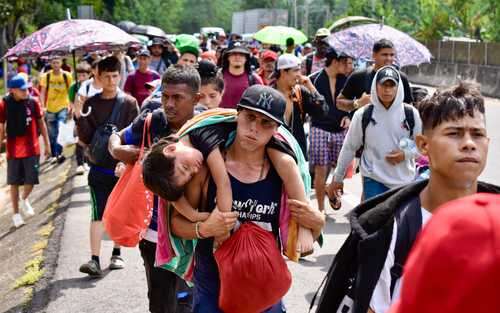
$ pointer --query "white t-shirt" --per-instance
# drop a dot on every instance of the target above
(92, 91)
(381, 298)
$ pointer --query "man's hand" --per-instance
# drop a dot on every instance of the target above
(305, 215)
(364, 100)
(120, 169)
(345, 122)
(395, 157)
(218, 224)
(47, 151)
(126, 153)
(306, 82)
(335, 189)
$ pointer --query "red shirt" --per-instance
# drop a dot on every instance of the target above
(135, 84)
(234, 86)
(27, 145)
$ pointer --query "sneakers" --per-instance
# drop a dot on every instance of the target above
(18, 220)
(80, 170)
(27, 208)
(60, 159)
(116, 263)
(91, 268)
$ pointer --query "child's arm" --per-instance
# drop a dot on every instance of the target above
(217, 167)
(185, 209)
(289, 173)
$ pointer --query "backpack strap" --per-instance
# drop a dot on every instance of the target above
(66, 82)
(409, 223)
(251, 79)
(47, 88)
(87, 89)
(409, 118)
(117, 108)
(366, 119)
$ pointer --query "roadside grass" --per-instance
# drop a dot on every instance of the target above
(34, 270)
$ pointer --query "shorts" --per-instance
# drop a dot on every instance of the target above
(23, 171)
(324, 146)
(100, 185)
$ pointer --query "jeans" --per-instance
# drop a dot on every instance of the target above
(53, 120)
(372, 188)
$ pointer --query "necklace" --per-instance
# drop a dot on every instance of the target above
(262, 167)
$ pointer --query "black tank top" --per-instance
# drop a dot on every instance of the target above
(257, 202)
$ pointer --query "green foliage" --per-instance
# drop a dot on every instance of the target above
(161, 13)
(209, 13)
(424, 19)
(255, 4)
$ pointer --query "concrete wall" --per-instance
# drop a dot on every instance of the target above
(443, 74)
(453, 60)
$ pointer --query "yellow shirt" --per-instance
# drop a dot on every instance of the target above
(57, 98)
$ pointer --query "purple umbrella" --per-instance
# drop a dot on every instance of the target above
(357, 41)
(68, 36)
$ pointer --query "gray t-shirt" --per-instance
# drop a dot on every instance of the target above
(158, 66)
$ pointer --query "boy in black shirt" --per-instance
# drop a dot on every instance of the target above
(356, 92)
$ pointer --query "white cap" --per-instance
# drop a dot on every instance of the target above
(286, 61)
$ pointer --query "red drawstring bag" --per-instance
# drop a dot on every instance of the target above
(129, 207)
(253, 274)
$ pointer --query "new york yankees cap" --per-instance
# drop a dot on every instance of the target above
(387, 73)
(265, 100)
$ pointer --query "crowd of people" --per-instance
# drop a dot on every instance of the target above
(226, 175)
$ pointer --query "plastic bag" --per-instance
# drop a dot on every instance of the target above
(129, 207)
(66, 134)
(253, 274)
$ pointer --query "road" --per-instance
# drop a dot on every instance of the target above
(125, 290)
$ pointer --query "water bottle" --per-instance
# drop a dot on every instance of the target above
(408, 145)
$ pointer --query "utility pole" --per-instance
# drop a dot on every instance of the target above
(294, 5)
(306, 17)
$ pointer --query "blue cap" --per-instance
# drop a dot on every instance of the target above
(17, 82)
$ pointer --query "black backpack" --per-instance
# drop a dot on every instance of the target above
(339, 294)
(367, 118)
(98, 148)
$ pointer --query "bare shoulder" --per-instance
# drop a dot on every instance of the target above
(199, 178)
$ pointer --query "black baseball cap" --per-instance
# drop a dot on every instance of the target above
(387, 73)
(264, 100)
(237, 47)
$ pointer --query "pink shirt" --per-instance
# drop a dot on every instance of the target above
(234, 86)
(135, 84)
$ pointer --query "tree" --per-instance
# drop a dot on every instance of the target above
(15, 16)
(161, 13)
(217, 13)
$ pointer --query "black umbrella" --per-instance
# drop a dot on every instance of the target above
(148, 30)
(126, 25)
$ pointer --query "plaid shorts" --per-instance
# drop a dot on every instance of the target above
(324, 147)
